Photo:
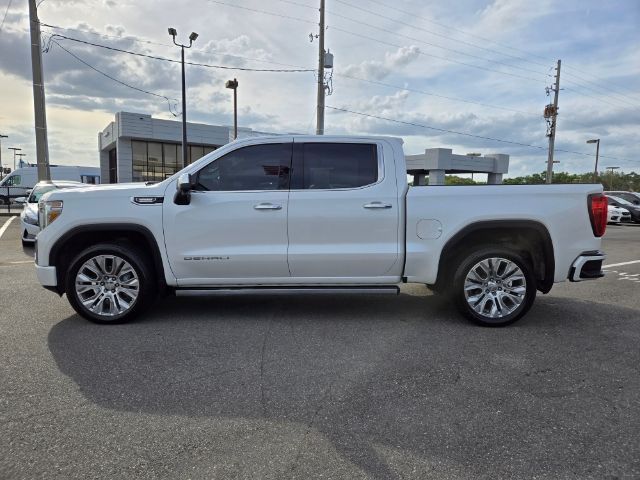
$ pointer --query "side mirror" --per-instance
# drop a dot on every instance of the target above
(185, 183)
(21, 200)
(183, 189)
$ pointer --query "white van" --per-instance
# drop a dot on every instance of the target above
(17, 183)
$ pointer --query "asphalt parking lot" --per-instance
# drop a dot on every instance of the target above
(346, 387)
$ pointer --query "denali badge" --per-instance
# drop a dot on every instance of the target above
(207, 258)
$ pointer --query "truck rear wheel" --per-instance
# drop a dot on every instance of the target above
(494, 287)
(109, 283)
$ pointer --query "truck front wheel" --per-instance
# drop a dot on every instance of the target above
(109, 283)
(494, 286)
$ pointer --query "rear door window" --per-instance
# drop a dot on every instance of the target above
(329, 166)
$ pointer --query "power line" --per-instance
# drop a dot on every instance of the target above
(372, 39)
(196, 64)
(104, 35)
(151, 42)
(473, 35)
(292, 2)
(424, 92)
(168, 99)
(444, 130)
(620, 100)
(375, 39)
(601, 80)
(529, 113)
(433, 44)
(375, 27)
(474, 45)
(466, 43)
(256, 10)
(5, 14)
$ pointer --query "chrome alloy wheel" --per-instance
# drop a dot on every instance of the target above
(495, 287)
(107, 285)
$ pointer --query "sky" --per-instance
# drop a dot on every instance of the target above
(474, 67)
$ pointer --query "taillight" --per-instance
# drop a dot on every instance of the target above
(598, 213)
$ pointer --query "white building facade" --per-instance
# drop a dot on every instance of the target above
(137, 147)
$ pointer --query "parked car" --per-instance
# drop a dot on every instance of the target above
(633, 197)
(29, 215)
(19, 181)
(618, 214)
(634, 210)
(315, 215)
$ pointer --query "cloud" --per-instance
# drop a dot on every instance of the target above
(377, 70)
(511, 14)
(81, 101)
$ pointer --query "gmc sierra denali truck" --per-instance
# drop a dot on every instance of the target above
(309, 214)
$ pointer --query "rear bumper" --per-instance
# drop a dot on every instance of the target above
(588, 266)
(47, 276)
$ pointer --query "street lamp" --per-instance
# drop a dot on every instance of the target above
(595, 171)
(1, 137)
(611, 169)
(233, 84)
(15, 149)
(192, 38)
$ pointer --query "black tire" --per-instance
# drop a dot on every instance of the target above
(139, 262)
(468, 262)
(3, 200)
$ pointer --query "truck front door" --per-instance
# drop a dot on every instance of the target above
(235, 228)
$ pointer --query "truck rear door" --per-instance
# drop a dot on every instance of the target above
(343, 212)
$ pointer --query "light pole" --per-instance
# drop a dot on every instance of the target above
(1, 137)
(595, 171)
(192, 37)
(15, 149)
(20, 159)
(611, 169)
(233, 85)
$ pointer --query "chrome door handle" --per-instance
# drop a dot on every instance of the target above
(267, 206)
(377, 205)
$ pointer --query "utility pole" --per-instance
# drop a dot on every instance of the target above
(553, 114)
(42, 145)
(320, 113)
(1, 137)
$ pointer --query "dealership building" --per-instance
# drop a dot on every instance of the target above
(137, 147)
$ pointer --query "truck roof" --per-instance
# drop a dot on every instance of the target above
(310, 138)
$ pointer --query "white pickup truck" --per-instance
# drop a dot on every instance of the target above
(309, 214)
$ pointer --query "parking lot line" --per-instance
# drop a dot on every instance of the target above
(606, 266)
(6, 225)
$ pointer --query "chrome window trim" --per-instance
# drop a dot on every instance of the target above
(381, 173)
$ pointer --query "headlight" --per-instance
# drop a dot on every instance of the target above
(48, 211)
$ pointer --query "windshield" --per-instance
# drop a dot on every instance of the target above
(38, 192)
(621, 201)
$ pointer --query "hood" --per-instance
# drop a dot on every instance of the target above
(108, 191)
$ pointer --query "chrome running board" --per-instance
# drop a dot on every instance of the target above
(330, 290)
